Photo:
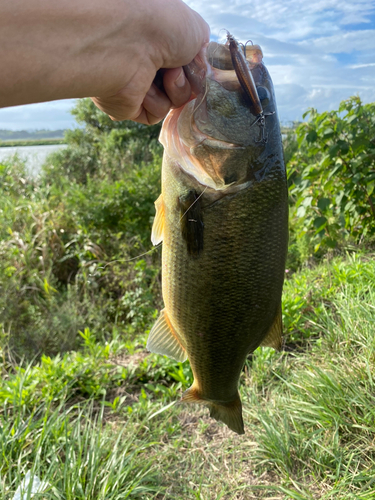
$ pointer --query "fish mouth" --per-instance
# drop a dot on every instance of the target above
(200, 73)
(194, 136)
(214, 61)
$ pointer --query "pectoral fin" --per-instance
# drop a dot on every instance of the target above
(158, 225)
(275, 333)
(164, 340)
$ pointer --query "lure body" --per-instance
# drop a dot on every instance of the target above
(244, 75)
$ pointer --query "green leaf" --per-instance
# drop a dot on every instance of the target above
(349, 206)
(331, 243)
(336, 169)
(333, 150)
(307, 201)
(360, 144)
(310, 111)
(328, 132)
(339, 197)
(320, 222)
(301, 212)
(324, 203)
(352, 118)
(325, 161)
(343, 146)
(297, 180)
(311, 136)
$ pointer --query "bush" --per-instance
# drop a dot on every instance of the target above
(102, 148)
(75, 244)
(332, 175)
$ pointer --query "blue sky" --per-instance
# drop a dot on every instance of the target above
(318, 52)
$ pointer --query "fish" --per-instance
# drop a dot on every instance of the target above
(222, 218)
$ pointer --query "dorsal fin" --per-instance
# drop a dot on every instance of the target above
(164, 340)
(275, 333)
(158, 225)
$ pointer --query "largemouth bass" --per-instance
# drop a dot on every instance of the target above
(223, 219)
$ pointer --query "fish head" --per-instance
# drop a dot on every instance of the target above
(217, 136)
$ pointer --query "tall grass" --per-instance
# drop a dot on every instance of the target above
(78, 388)
(82, 422)
(317, 425)
(76, 452)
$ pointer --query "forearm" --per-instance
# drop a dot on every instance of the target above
(49, 48)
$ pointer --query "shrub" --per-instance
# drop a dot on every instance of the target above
(75, 242)
(332, 175)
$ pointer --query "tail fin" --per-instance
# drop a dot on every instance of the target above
(229, 412)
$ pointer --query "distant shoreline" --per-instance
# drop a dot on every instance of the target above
(46, 141)
(30, 142)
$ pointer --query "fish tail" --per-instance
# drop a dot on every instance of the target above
(230, 413)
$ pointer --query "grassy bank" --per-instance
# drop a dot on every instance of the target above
(81, 399)
(31, 142)
(82, 421)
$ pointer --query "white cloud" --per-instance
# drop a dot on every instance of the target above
(357, 66)
(346, 42)
(46, 115)
(318, 53)
(290, 16)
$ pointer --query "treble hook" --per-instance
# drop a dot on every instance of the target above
(261, 119)
(244, 46)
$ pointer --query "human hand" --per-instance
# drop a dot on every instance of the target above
(111, 50)
(172, 37)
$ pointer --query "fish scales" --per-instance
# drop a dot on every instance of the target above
(223, 262)
(238, 267)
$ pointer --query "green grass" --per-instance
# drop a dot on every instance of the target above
(66, 253)
(79, 391)
(82, 422)
(30, 142)
(76, 452)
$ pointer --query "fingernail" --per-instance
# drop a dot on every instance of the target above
(152, 91)
(180, 80)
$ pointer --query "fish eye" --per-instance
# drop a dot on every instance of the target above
(264, 95)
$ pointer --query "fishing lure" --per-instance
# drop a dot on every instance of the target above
(247, 83)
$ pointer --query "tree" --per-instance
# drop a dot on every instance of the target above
(103, 147)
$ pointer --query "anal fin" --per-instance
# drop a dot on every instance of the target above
(275, 333)
(164, 340)
(158, 225)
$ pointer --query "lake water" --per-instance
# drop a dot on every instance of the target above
(34, 156)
